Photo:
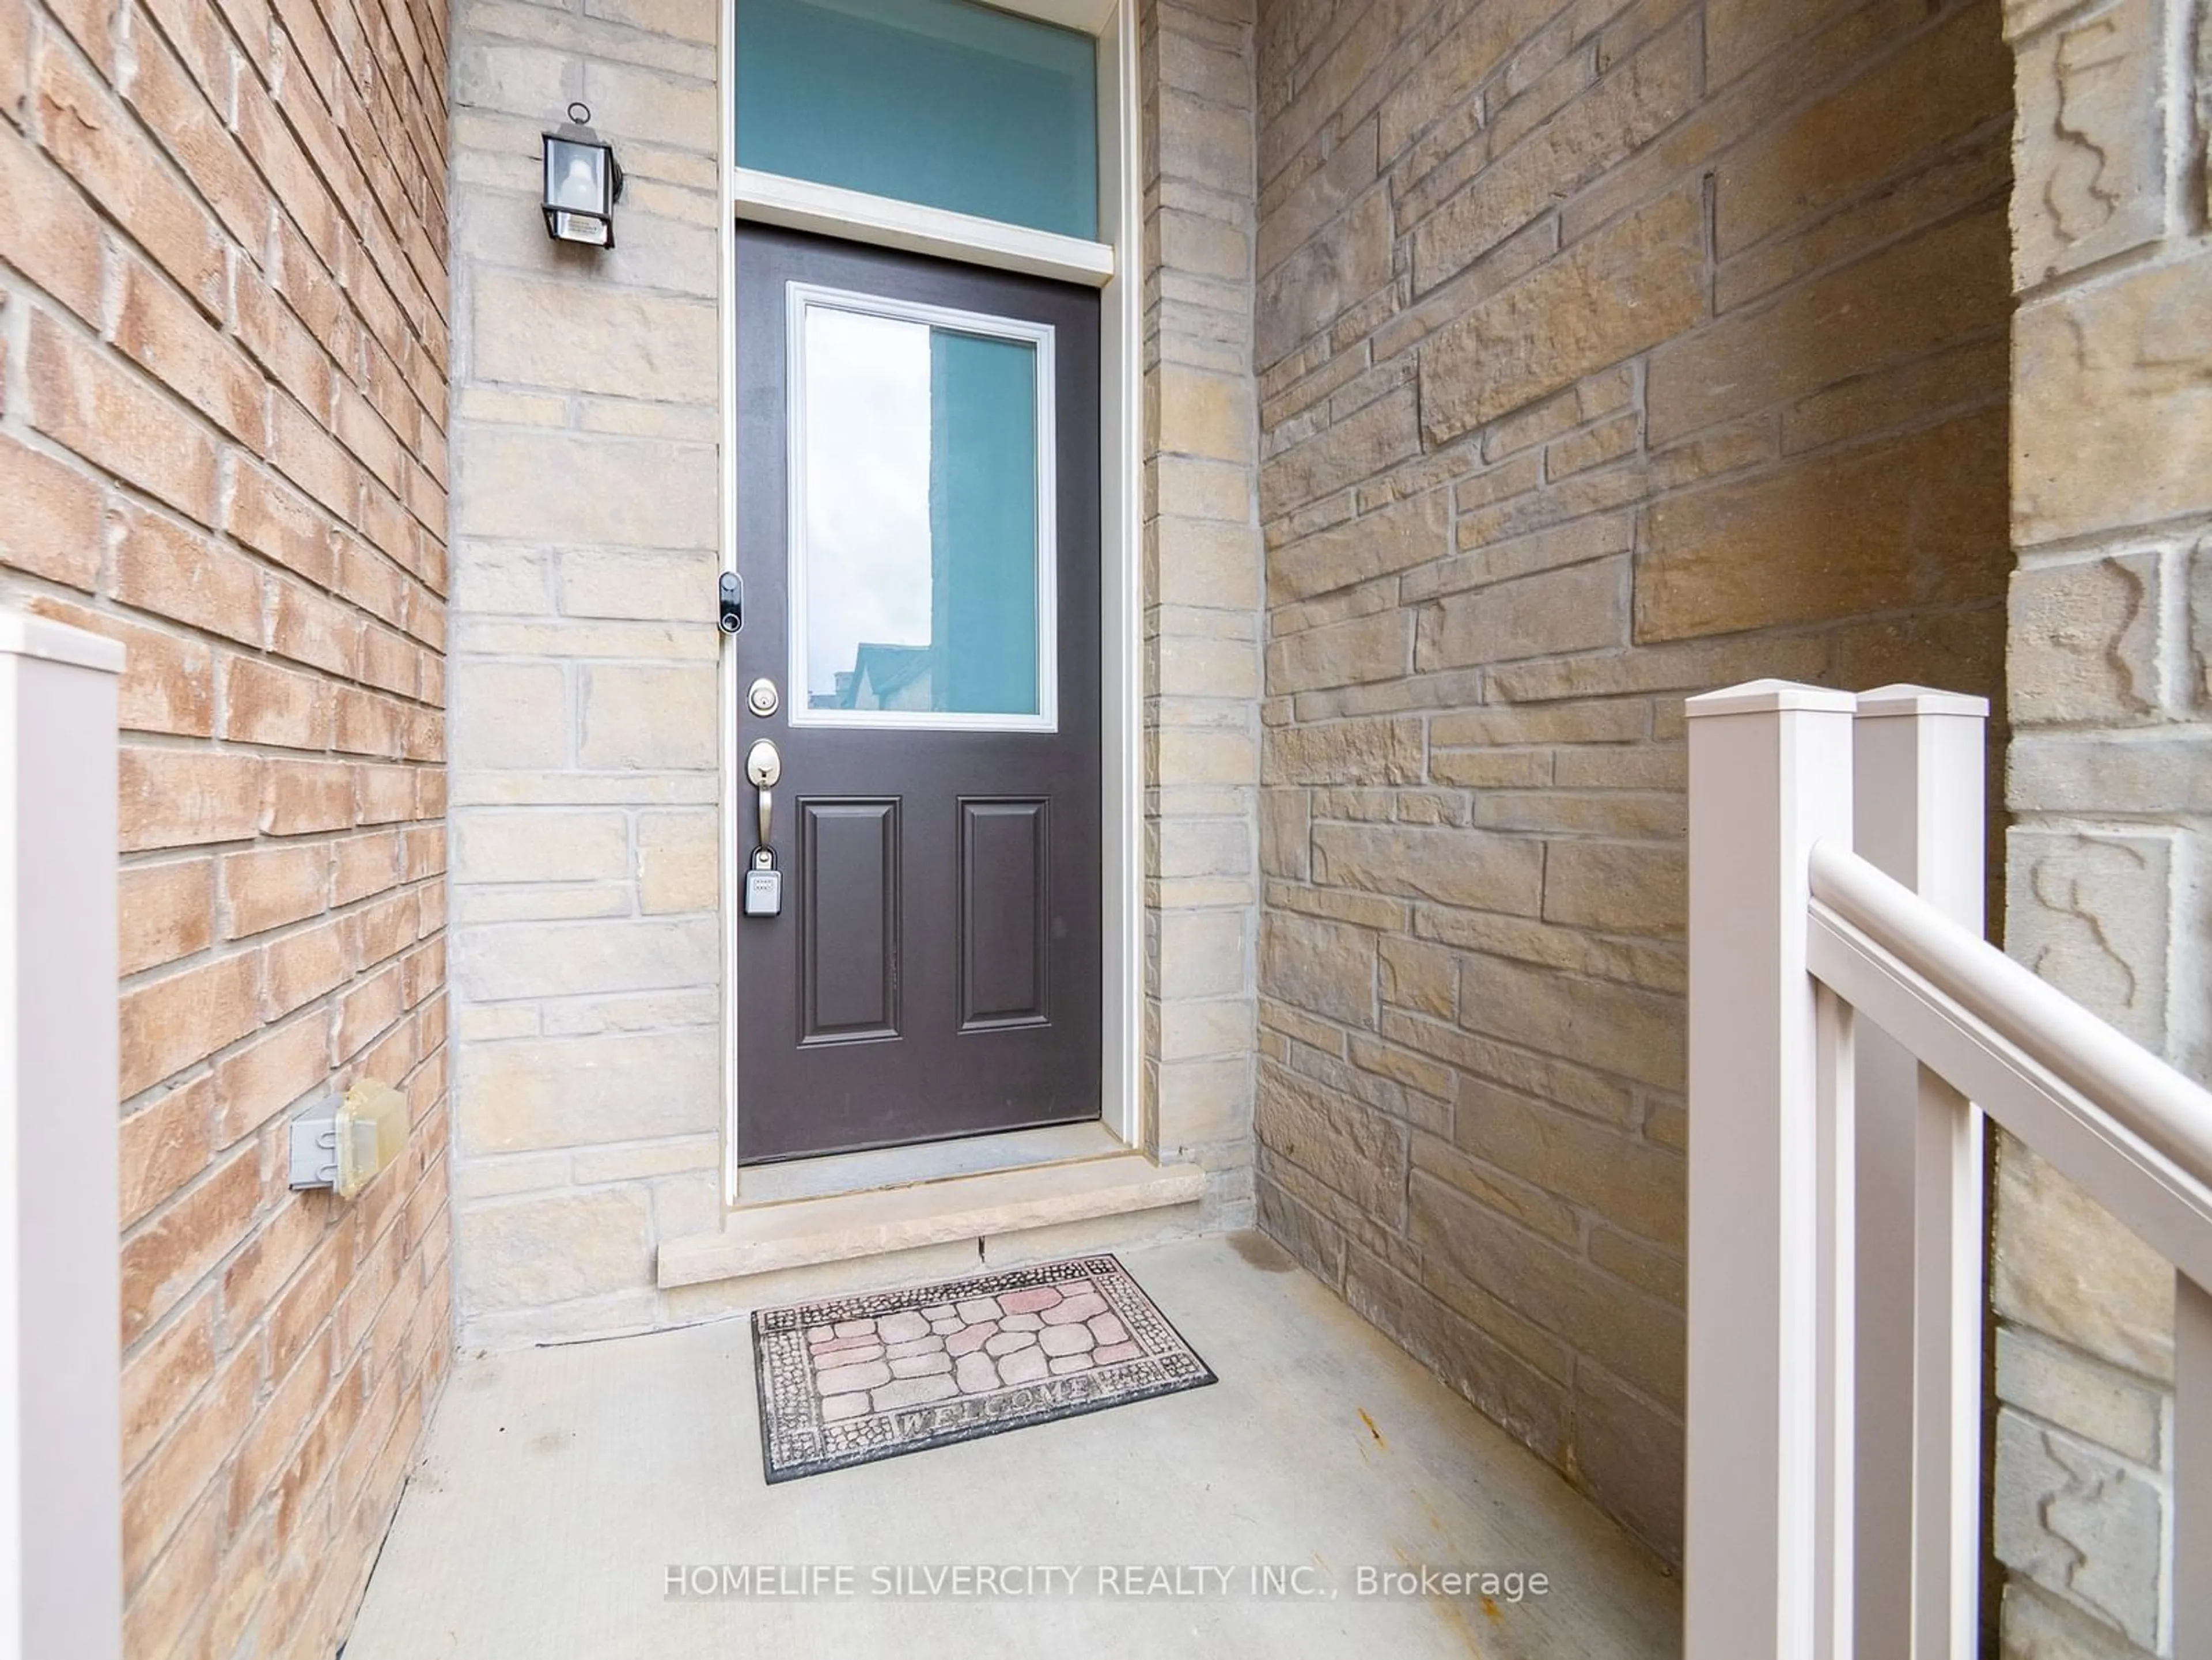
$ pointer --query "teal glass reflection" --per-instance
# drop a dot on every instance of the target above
(919, 564)
(940, 102)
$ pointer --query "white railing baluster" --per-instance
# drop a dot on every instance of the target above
(1947, 1382)
(1770, 774)
(2191, 1572)
(1918, 812)
(1836, 1038)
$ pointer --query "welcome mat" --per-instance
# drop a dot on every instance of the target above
(851, 1379)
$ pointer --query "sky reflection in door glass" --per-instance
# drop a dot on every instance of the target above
(867, 492)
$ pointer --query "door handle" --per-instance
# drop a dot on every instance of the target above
(764, 766)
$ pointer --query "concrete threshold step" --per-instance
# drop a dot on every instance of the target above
(798, 1232)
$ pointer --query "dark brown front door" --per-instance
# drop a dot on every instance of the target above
(918, 532)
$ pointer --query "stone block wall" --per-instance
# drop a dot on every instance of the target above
(2110, 781)
(1608, 350)
(587, 536)
(223, 322)
(1202, 618)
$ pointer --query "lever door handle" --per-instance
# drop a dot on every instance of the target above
(764, 766)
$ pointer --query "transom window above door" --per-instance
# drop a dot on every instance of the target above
(942, 103)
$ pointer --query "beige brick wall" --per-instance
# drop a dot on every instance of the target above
(222, 315)
(2111, 619)
(1607, 351)
(586, 767)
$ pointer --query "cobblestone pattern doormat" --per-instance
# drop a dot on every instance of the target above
(850, 1379)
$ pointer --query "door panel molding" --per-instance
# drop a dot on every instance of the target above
(849, 953)
(1005, 913)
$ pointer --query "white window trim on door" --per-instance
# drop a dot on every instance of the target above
(1111, 265)
(798, 298)
(768, 199)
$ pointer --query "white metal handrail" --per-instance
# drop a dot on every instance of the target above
(1848, 1028)
(2171, 1111)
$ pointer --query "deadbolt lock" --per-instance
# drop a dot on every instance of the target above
(761, 697)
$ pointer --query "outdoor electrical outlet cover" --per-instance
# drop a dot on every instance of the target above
(372, 1125)
(342, 1143)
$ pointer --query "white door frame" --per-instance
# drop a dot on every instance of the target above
(1113, 267)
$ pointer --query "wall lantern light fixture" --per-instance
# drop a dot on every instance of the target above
(583, 182)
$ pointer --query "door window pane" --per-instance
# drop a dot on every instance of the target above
(941, 102)
(922, 562)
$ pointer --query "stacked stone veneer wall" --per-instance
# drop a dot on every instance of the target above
(2110, 774)
(222, 315)
(1608, 351)
(588, 1004)
(1202, 594)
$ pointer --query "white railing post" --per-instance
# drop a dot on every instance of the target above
(2189, 1572)
(1918, 816)
(1770, 774)
(61, 1590)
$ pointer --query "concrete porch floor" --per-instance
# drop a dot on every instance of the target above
(559, 1485)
